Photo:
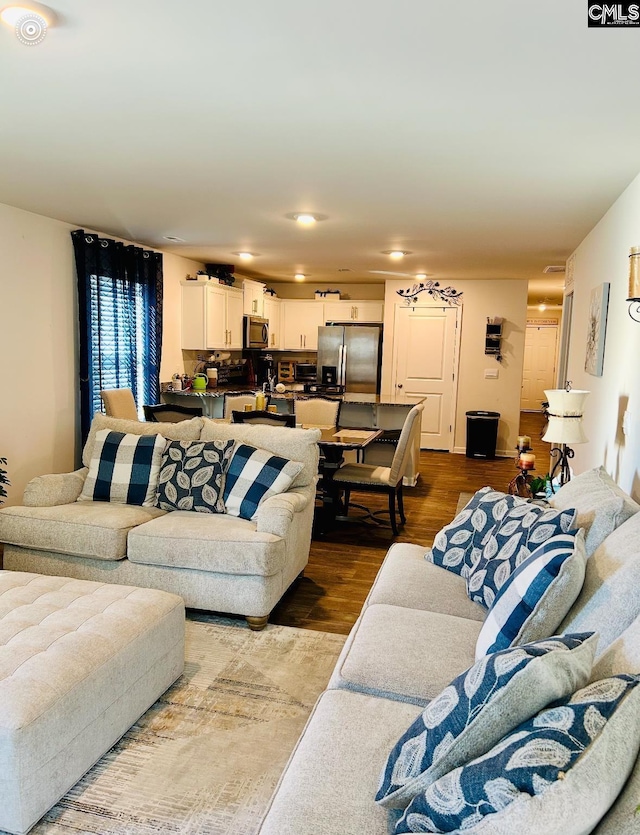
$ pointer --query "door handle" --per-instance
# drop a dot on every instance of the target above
(399, 385)
(305, 340)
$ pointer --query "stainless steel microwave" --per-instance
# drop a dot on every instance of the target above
(256, 332)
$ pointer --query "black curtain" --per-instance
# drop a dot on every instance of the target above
(120, 318)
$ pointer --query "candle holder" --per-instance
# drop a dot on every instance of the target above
(520, 485)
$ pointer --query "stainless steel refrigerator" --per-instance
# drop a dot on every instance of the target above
(350, 356)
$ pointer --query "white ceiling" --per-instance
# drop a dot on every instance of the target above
(486, 137)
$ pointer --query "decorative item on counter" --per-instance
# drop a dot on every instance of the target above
(273, 409)
(186, 382)
(212, 375)
(281, 388)
(261, 401)
(176, 382)
(199, 382)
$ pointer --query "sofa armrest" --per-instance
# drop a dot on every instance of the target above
(55, 489)
(276, 513)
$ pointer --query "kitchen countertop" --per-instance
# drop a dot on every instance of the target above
(349, 397)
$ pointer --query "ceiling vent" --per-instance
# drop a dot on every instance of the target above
(345, 270)
(557, 268)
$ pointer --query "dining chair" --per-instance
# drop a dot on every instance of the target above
(119, 403)
(168, 413)
(369, 478)
(316, 411)
(259, 416)
(238, 402)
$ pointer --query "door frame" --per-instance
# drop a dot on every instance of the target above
(546, 325)
(456, 356)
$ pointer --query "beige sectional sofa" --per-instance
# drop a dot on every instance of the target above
(417, 631)
(215, 562)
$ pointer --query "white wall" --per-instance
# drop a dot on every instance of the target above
(38, 392)
(604, 256)
(38, 360)
(481, 299)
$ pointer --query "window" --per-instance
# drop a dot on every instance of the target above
(120, 318)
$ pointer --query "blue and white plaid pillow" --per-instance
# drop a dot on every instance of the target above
(538, 594)
(458, 546)
(511, 542)
(558, 772)
(254, 475)
(124, 468)
(479, 707)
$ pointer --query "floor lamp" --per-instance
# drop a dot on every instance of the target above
(565, 427)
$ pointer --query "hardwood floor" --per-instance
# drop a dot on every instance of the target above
(344, 563)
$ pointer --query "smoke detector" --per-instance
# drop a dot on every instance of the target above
(554, 268)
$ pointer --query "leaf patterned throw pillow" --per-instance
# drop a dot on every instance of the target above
(511, 541)
(479, 707)
(192, 476)
(458, 546)
(556, 773)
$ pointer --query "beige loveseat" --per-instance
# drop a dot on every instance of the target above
(214, 562)
(417, 632)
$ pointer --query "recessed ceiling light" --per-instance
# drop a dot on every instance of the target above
(421, 276)
(12, 13)
(173, 239)
(305, 218)
(245, 256)
(396, 254)
(300, 276)
(542, 307)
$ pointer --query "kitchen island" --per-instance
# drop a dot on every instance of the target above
(386, 411)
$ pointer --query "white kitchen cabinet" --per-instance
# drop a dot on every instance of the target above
(353, 311)
(211, 317)
(300, 321)
(253, 297)
(272, 313)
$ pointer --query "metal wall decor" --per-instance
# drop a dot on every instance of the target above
(445, 294)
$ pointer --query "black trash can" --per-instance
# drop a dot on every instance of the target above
(482, 434)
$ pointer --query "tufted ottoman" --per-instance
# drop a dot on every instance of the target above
(80, 662)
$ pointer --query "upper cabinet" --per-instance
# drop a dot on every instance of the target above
(353, 311)
(300, 321)
(272, 313)
(253, 297)
(211, 317)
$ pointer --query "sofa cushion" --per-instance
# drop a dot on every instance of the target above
(512, 540)
(405, 654)
(253, 476)
(184, 430)
(558, 772)
(207, 542)
(97, 530)
(600, 504)
(328, 785)
(479, 707)
(610, 598)
(458, 546)
(295, 444)
(537, 596)
(407, 579)
(192, 475)
(124, 468)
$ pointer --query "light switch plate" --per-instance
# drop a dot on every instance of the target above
(491, 373)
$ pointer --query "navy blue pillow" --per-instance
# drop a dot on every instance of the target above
(458, 546)
(479, 707)
(254, 475)
(560, 766)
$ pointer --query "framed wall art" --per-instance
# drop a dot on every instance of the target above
(597, 329)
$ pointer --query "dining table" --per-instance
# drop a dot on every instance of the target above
(333, 443)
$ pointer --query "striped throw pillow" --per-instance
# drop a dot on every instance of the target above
(124, 468)
(254, 475)
(535, 598)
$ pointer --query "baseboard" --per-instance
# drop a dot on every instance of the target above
(500, 453)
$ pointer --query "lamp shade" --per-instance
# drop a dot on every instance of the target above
(565, 416)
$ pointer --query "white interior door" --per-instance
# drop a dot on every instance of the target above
(425, 345)
(539, 370)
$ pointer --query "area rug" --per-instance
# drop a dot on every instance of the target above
(206, 757)
(463, 499)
